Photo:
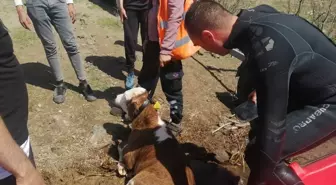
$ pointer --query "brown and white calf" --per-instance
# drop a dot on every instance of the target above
(152, 153)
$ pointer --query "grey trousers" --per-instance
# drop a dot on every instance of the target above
(44, 14)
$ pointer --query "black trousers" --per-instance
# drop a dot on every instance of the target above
(170, 77)
(305, 129)
(11, 179)
(135, 19)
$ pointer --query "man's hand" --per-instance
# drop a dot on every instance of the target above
(253, 96)
(123, 14)
(32, 177)
(165, 59)
(24, 18)
(72, 12)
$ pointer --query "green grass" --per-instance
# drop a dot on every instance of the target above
(108, 22)
(94, 6)
(23, 37)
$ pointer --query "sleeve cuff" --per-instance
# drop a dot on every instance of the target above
(18, 2)
(165, 52)
(69, 1)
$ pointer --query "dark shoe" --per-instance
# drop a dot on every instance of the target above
(115, 111)
(175, 128)
(59, 93)
(87, 92)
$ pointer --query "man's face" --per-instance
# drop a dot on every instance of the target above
(210, 41)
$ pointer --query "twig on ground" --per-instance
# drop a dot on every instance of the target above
(106, 145)
(234, 121)
(233, 128)
(238, 123)
(95, 175)
(232, 116)
(239, 156)
(235, 125)
(56, 171)
(224, 125)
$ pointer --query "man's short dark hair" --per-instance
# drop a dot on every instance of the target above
(205, 14)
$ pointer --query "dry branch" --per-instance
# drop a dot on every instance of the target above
(235, 124)
(95, 175)
(299, 7)
(224, 125)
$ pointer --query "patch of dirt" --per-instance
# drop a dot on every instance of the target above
(71, 141)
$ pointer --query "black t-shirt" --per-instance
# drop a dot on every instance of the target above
(136, 4)
(13, 91)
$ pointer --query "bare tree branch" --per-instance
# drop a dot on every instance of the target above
(299, 7)
(327, 16)
(331, 28)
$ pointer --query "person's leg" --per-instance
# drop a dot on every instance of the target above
(144, 28)
(37, 11)
(306, 128)
(150, 67)
(171, 81)
(131, 29)
(60, 18)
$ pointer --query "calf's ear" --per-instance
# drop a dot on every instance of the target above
(118, 99)
(135, 104)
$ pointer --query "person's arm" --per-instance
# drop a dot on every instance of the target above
(23, 17)
(175, 13)
(122, 11)
(13, 159)
(72, 10)
(274, 68)
(120, 4)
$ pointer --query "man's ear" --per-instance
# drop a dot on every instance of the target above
(207, 36)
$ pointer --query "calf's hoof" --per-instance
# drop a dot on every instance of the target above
(121, 170)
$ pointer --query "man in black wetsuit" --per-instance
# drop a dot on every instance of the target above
(292, 66)
(16, 157)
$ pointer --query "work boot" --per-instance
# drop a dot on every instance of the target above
(59, 93)
(129, 84)
(87, 91)
(175, 128)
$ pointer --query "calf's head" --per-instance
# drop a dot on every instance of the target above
(131, 101)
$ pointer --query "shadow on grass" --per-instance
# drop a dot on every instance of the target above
(107, 5)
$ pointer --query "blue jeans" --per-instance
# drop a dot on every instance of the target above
(45, 14)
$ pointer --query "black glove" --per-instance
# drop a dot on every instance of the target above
(246, 111)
